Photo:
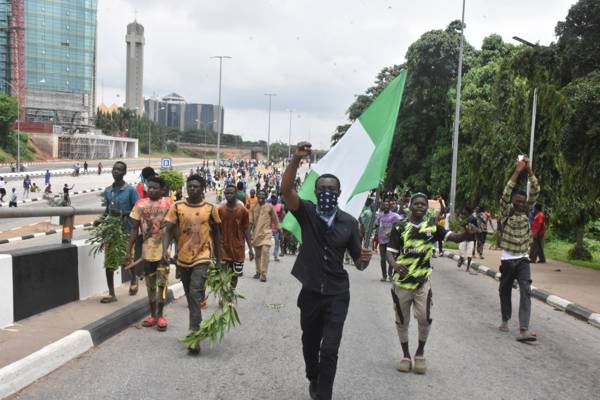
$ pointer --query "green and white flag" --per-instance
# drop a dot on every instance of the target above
(360, 158)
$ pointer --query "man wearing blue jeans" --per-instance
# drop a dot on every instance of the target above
(515, 236)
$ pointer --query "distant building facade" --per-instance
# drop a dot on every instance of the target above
(172, 111)
(134, 79)
(60, 61)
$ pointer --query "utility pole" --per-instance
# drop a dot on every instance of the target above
(270, 96)
(220, 112)
(457, 115)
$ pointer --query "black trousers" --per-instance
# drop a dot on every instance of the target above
(386, 270)
(520, 270)
(322, 321)
(537, 250)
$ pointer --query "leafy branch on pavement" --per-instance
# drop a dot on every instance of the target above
(222, 320)
(109, 237)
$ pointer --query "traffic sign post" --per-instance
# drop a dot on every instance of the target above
(166, 163)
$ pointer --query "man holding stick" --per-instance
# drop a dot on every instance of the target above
(149, 213)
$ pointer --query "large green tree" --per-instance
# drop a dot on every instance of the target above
(8, 115)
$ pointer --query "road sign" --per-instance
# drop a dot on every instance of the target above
(166, 163)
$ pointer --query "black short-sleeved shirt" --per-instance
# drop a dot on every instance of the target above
(320, 263)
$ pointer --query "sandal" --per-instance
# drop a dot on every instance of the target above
(420, 365)
(108, 299)
(405, 365)
(526, 336)
(133, 289)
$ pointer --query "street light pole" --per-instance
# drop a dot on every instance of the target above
(270, 95)
(457, 115)
(290, 137)
(220, 120)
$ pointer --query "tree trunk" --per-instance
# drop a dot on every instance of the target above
(579, 252)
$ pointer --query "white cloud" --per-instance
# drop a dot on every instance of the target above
(314, 54)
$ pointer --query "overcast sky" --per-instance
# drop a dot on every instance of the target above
(315, 55)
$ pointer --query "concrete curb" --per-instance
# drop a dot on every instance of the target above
(25, 371)
(557, 302)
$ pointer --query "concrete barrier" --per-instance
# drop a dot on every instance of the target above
(36, 279)
(90, 271)
(6, 291)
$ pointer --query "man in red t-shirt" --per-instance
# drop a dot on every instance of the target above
(142, 187)
(235, 231)
(538, 231)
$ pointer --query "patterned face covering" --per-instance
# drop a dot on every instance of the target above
(327, 202)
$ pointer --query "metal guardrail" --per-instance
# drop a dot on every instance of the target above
(68, 213)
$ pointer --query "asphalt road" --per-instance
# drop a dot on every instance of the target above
(82, 182)
(468, 357)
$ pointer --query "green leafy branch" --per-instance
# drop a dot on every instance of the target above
(109, 237)
(222, 320)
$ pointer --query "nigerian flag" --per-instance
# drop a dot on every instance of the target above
(360, 158)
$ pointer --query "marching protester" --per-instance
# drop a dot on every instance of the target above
(194, 222)
(538, 231)
(385, 220)
(119, 199)
(262, 220)
(26, 186)
(409, 253)
(235, 233)
(252, 199)
(466, 247)
(515, 237)
(2, 189)
(12, 199)
(148, 214)
(327, 232)
(142, 186)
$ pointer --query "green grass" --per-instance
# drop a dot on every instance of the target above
(558, 250)
(5, 157)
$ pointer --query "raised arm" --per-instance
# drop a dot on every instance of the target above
(290, 196)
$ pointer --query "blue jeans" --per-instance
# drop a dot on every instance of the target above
(277, 244)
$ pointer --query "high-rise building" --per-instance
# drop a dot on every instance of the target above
(60, 61)
(4, 52)
(172, 111)
(134, 99)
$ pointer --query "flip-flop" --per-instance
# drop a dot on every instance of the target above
(133, 289)
(529, 337)
(108, 299)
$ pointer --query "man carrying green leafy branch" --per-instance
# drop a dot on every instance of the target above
(149, 214)
(119, 199)
(195, 224)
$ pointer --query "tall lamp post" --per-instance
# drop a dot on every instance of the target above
(18, 124)
(220, 119)
(457, 115)
(270, 96)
